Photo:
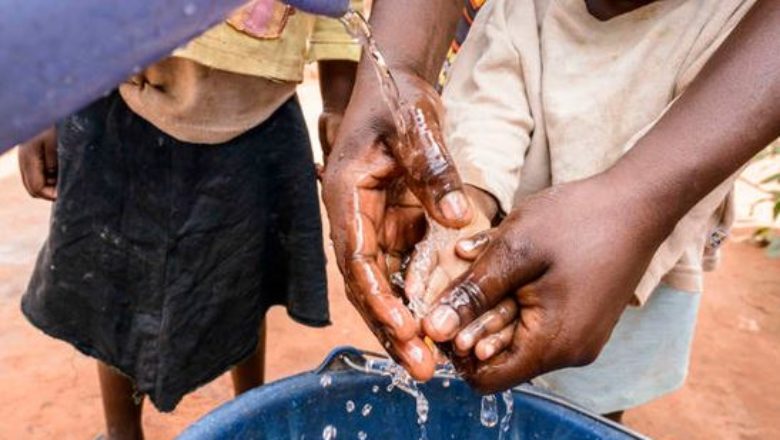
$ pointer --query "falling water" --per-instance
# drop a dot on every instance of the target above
(359, 28)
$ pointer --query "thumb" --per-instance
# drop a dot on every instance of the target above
(429, 170)
(498, 273)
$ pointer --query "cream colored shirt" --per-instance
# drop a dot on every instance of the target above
(544, 93)
(227, 81)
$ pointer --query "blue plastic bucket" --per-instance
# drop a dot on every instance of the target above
(303, 406)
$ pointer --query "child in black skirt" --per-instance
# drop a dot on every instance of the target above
(186, 206)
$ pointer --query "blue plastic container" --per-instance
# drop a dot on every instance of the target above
(300, 407)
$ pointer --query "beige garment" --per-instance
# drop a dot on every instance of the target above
(544, 93)
(226, 81)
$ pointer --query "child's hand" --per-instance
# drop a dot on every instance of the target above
(442, 257)
(38, 165)
(328, 126)
(436, 262)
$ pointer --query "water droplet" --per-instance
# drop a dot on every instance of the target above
(509, 403)
(489, 412)
(366, 410)
(190, 9)
(329, 433)
(362, 435)
(326, 380)
(375, 389)
(350, 406)
(445, 383)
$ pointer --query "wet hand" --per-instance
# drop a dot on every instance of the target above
(435, 262)
(38, 165)
(374, 219)
(557, 274)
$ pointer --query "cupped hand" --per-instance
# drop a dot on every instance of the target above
(374, 219)
(435, 262)
(555, 275)
(38, 165)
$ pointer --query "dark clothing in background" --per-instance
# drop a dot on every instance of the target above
(164, 256)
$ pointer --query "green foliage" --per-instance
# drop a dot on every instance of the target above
(766, 236)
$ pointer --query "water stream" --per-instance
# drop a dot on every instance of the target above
(360, 29)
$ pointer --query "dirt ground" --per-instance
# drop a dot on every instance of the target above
(49, 391)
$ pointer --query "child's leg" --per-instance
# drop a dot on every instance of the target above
(250, 373)
(122, 411)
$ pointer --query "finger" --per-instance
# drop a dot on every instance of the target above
(429, 170)
(491, 322)
(365, 278)
(521, 361)
(48, 193)
(495, 343)
(49, 140)
(416, 357)
(471, 248)
(31, 164)
(505, 266)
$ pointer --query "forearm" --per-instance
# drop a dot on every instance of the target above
(413, 35)
(337, 77)
(728, 114)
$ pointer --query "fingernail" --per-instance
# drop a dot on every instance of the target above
(416, 354)
(465, 340)
(488, 351)
(397, 317)
(454, 205)
(445, 321)
(469, 245)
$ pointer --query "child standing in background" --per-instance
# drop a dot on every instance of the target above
(186, 206)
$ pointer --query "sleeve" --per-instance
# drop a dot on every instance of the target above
(330, 40)
(489, 98)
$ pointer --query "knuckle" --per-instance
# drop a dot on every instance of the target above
(468, 298)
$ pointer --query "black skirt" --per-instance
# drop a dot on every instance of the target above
(164, 256)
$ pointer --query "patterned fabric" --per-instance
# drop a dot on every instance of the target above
(470, 11)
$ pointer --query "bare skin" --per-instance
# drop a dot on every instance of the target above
(572, 286)
(38, 165)
(371, 213)
(337, 78)
(122, 407)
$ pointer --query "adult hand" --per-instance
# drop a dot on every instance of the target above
(557, 273)
(38, 165)
(373, 218)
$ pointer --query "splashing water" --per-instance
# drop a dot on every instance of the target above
(359, 28)
(366, 411)
(325, 380)
(329, 433)
(489, 413)
(375, 389)
(350, 406)
(506, 421)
